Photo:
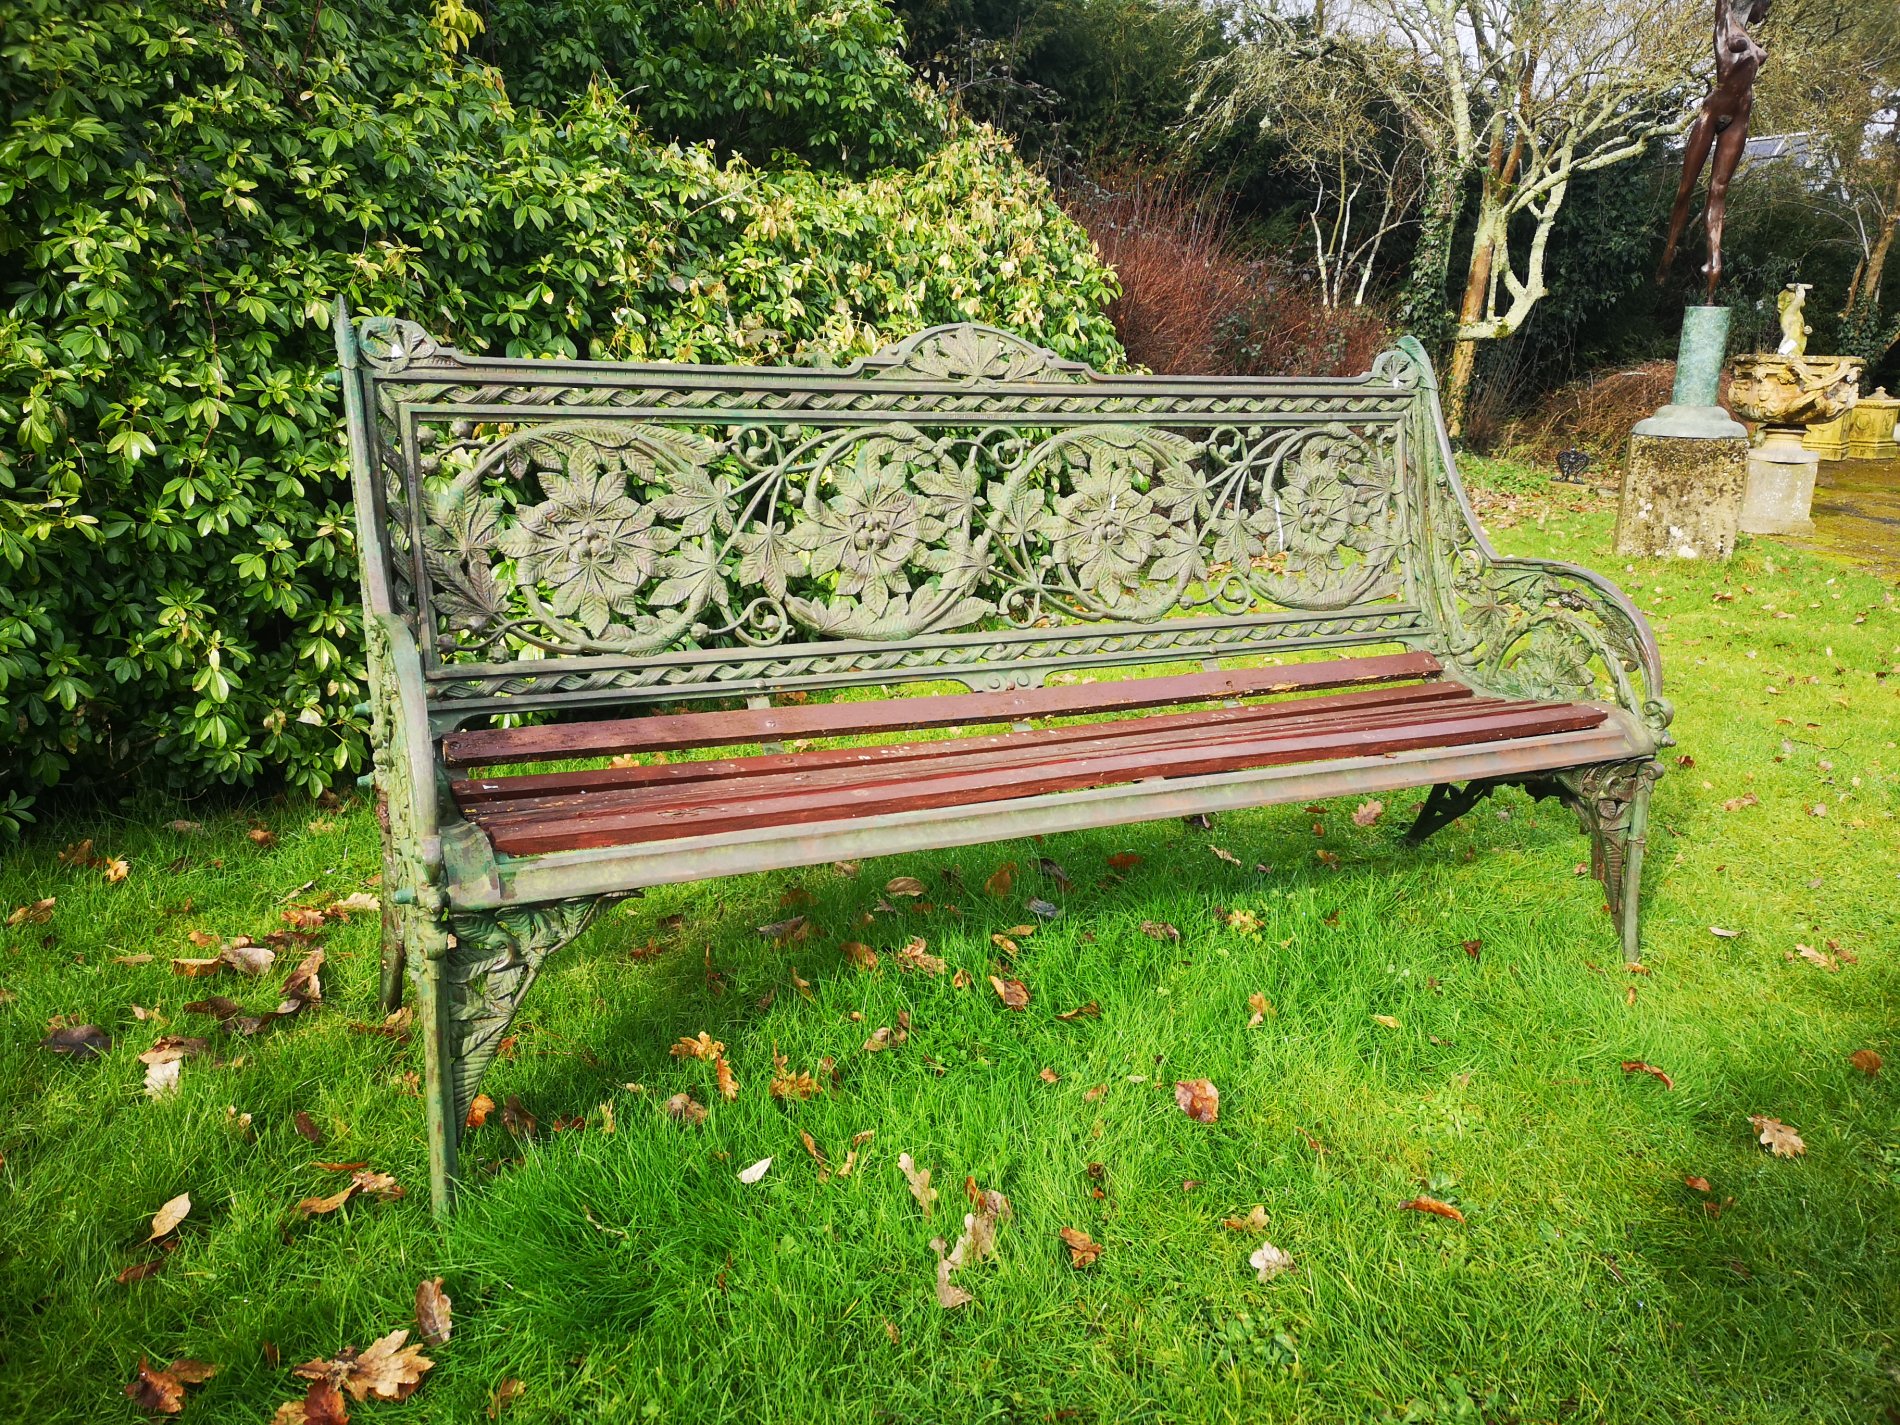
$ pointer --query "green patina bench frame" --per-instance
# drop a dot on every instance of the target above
(566, 537)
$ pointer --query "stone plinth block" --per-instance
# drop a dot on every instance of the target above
(1682, 496)
(1780, 487)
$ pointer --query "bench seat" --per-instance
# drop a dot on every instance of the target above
(536, 814)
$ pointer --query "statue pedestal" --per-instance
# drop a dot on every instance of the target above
(1682, 496)
(1682, 486)
(1780, 487)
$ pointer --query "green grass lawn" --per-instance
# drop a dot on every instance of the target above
(620, 1271)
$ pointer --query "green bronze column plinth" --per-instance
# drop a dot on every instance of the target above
(1688, 463)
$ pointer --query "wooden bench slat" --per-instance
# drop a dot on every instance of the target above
(953, 786)
(494, 747)
(1022, 749)
(543, 788)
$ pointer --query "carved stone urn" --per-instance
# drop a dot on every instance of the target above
(1787, 394)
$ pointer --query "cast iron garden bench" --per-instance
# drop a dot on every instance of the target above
(655, 555)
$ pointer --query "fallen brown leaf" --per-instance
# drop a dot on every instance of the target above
(1124, 860)
(506, 1394)
(914, 956)
(1866, 1060)
(1268, 1261)
(1254, 1221)
(433, 1311)
(905, 886)
(919, 1181)
(167, 1218)
(79, 1041)
(1257, 1003)
(1160, 930)
(387, 1370)
(1083, 1249)
(162, 1392)
(1433, 1206)
(685, 1108)
(1368, 812)
(1001, 879)
(1013, 993)
(1091, 1010)
(479, 1110)
(516, 1118)
(1778, 1137)
(859, 954)
(1637, 1066)
(1198, 1099)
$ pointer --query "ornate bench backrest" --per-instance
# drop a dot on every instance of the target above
(963, 505)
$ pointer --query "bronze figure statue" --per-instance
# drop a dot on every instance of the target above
(1722, 126)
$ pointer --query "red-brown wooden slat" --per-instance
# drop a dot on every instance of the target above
(494, 747)
(971, 788)
(805, 772)
(537, 787)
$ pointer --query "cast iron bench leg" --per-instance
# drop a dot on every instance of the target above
(1611, 800)
(468, 988)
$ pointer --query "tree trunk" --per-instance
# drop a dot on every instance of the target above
(1877, 259)
(1464, 352)
(1423, 306)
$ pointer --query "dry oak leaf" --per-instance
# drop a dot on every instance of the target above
(506, 1394)
(685, 1108)
(1433, 1206)
(162, 1392)
(786, 1084)
(1268, 1261)
(1083, 1249)
(167, 1218)
(322, 1404)
(1866, 1060)
(433, 1311)
(80, 1041)
(33, 913)
(1257, 1003)
(919, 1180)
(355, 903)
(905, 886)
(915, 956)
(517, 1118)
(1368, 812)
(1198, 1098)
(1091, 1010)
(859, 954)
(700, 1046)
(1778, 1137)
(1225, 854)
(117, 869)
(1637, 1066)
(879, 1041)
(1001, 879)
(387, 1370)
(479, 1110)
(1697, 1184)
(1013, 993)
(1160, 930)
(1049, 1076)
(1254, 1221)
(724, 1080)
(949, 1294)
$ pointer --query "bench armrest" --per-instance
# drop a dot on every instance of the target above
(1549, 629)
(1531, 628)
(406, 771)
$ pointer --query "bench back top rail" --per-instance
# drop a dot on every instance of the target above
(963, 505)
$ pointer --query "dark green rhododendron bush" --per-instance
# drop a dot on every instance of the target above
(185, 188)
